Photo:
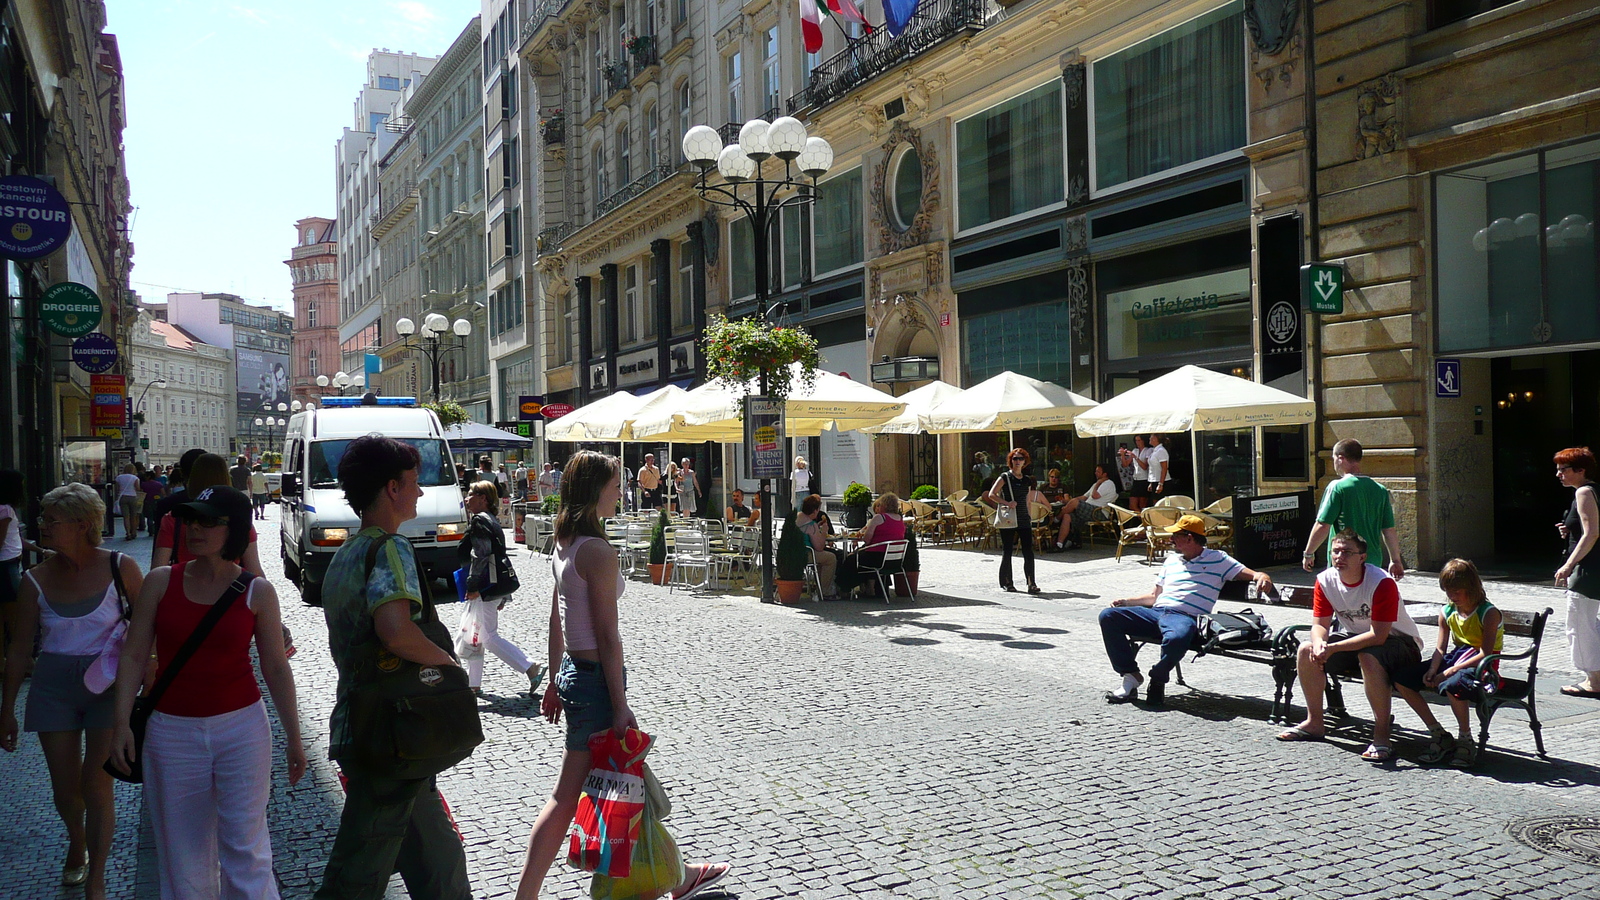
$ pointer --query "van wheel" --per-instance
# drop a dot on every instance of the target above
(290, 570)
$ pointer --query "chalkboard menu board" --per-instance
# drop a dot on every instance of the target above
(1272, 530)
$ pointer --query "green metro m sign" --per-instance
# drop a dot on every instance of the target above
(1322, 288)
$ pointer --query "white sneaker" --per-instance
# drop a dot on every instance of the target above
(1128, 691)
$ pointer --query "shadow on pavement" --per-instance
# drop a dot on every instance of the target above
(518, 705)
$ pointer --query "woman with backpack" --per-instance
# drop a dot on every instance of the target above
(483, 556)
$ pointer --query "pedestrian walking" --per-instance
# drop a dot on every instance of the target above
(481, 554)
(239, 475)
(801, 480)
(649, 483)
(1357, 503)
(521, 476)
(74, 603)
(13, 499)
(207, 753)
(369, 613)
(154, 488)
(1580, 574)
(688, 488)
(586, 650)
(128, 497)
(259, 492)
(1014, 490)
(547, 482)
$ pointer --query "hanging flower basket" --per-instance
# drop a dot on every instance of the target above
(739, 352)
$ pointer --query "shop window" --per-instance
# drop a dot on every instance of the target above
(1174, 100)
(1009, 158)
(837, 236)
(1517, 259)
(795, 225)
(630, 304)
(683, 299)
(1188, 315)
(1035, 340)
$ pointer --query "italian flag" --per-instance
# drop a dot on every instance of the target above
(811, 25)
(849, 10)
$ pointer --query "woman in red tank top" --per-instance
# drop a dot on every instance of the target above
(208, 747)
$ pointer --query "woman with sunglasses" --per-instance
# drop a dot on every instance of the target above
(207, 754)
(1015, 489)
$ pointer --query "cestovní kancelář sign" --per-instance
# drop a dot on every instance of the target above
(70, 309)
(34, 218)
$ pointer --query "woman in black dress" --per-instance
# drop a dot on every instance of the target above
(1015, 488)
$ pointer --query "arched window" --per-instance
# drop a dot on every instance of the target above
(624, 157)
(311, 363)
(600, 184)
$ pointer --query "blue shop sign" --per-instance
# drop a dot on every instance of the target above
(95, 352)
(34, 218)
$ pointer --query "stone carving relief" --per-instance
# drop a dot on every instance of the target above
(1073, 76)
(711, 234)
(1279, 70)
(1078, 306)
(906, 306)
(1270, 23)
(870, 115)
(1077, 234)
(1377, 117)
(919, 92)
(553, 270)
(882, 206)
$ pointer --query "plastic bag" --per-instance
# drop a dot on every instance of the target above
(469, 634)
(657, 866)
(611, 808)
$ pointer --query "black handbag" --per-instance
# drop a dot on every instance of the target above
(146, 703)
(409, 720)
(503, 581)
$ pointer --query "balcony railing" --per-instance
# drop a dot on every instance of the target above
(634, 188)
(730, 132)
(400, 200)
(545, 9)
(549, 239)
(644, 53)
(935, 22)
(617, 76)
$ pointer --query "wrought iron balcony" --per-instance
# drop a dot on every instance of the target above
(546, 9)
(617, 76)
(730, 132)
(935, 22)
(643, 49)
(634, 188)
(549, 239)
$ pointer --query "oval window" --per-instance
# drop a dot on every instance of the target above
(907, 189)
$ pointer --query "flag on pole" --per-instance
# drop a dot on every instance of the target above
(811, 25)
(897, 15)
(849, 10)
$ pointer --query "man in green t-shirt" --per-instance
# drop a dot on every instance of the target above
(1357, 503)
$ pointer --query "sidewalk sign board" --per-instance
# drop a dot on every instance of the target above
(1271, 530)
(763, 437)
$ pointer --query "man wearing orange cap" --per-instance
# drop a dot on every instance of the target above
(1187, 588)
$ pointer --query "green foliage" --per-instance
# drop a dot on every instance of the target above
(791, 558)
(925, 492)
(449, 412)
(739, 352)
(857, 494)
(550, 505)
(658, 539)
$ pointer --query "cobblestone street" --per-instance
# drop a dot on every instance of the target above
(953, 747)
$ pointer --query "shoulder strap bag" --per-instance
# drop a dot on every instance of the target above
(503, 581)
(1005, 517)
(409, 720)
(146, 703)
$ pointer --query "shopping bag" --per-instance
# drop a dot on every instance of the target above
(657, 866)
(469, 634)
(461, 585)
(611, 808)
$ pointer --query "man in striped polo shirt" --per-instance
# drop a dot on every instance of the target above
(1187, 588)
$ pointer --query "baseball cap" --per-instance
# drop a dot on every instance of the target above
(1191, 524)
(219, 502)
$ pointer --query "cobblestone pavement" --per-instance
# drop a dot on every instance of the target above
(954, 747)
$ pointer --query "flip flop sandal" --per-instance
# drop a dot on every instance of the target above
(709, 876)
(1439, 749)
(1572, 690)
(1466, 756)
(1300, 734)
(1378, 753)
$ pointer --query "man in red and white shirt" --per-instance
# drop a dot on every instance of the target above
(1374, 635)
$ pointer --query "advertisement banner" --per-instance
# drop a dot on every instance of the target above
(263, 379)
(529, 406)
(109, 408)
(763, 435)
(34, 218)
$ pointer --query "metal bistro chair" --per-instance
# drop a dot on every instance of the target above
(690, 553)
(636, 547)
(542, 537)
(893, 563)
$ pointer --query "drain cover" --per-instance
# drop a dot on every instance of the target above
(1576, 838)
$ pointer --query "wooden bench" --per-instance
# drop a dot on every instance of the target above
(1281, 651)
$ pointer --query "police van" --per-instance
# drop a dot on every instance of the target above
(316, 518)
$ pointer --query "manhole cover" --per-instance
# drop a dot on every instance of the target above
(1570, 837)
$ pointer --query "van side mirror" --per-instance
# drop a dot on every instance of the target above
(290, 486)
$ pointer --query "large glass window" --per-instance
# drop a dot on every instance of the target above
(1182, 316)
(1517, 261)
(838, 235)
(1009, 158)
(770, 77)
(733, 72)
(795, 223)
(630, 304)
(1174, 99)
(435, 468)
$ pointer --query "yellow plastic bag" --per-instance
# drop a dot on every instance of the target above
(657, 866)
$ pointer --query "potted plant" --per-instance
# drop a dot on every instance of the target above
(910, 568)
(550, 505)
(660, 569)
(791, 562)
(553, 127)
(857, 500)
(925, 492)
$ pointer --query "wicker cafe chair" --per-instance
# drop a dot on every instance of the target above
(1044, 533)
(1130, 529)
(1157, 539)
(1176, 501)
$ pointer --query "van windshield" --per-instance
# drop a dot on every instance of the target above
(435, 469)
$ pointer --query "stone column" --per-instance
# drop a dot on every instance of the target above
(613, 320)
(585, 334)
(661, 267)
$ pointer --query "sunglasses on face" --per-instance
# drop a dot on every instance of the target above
(207, 521)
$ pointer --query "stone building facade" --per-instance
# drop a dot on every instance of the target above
(185, 392)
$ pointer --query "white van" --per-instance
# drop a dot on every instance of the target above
(316, 518)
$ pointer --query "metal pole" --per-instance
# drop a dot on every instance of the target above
(758, 223)
(433, 357)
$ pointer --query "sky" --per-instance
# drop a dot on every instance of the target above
(233, 112)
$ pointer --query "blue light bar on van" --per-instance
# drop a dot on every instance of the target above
(354, 402)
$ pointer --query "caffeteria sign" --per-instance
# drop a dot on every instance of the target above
(1206, 312)
(34, 218)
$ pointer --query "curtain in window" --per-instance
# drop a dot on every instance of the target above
(1009, 158)
(838, 231)
(1174, 99)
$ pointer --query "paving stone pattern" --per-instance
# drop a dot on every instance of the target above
(954, 747)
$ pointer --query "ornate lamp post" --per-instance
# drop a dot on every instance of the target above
(138, 407)
(748, 185)
(432, 340)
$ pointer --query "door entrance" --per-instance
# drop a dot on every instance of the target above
(1542, 404)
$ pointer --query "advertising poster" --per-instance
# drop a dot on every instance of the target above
(263, 379)
(110, 400)
(763, 434)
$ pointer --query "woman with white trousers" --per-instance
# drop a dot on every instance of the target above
(485, 542)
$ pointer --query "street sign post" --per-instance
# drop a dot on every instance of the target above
(1322, 288)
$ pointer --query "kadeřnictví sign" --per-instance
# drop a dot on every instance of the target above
(70, 309)
(34, 218)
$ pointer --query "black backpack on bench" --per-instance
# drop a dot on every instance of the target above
(1231, 631)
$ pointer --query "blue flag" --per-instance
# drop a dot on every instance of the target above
(897, 15)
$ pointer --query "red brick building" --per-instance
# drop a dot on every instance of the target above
(314, 268)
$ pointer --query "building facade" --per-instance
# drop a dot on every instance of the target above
(356, 156)
(431, 222)
(185, 392)
(259, 338)
(314, 275)
(61, 83)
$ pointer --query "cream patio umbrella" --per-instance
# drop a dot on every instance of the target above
(1007, 402)
(711, 412)
(610, 418)
(918, 403)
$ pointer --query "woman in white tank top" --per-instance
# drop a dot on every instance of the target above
(72, 601)
(586, 653)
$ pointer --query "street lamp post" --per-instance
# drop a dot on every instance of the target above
(432, 340)
(138, 407)
(741, 167)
